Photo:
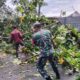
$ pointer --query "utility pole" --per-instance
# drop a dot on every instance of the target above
(63, 15)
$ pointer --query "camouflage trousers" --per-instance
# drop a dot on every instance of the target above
(41, 64)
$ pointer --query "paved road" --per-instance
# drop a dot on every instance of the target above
(13, 71)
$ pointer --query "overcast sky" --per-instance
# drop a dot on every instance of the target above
(54, 7)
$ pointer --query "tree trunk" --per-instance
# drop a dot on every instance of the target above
(39, 10)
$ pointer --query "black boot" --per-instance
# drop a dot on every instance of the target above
(48, 78)
(58, 77)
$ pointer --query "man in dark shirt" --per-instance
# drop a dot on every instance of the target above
(42, 39)
(16, 37)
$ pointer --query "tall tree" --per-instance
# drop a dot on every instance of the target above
(2, 2)
(39, 4)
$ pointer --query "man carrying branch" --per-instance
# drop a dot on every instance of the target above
(42, 39)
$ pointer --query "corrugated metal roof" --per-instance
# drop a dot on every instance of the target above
(75, 14)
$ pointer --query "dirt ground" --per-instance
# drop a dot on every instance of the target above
(11, 70)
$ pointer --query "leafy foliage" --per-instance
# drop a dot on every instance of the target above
(2, 2)
(78, 78)
(65, 37)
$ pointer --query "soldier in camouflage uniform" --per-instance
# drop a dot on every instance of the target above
(42, 39)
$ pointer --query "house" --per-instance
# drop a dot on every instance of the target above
(73, 19)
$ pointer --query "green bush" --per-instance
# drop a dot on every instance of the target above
(78, 77)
